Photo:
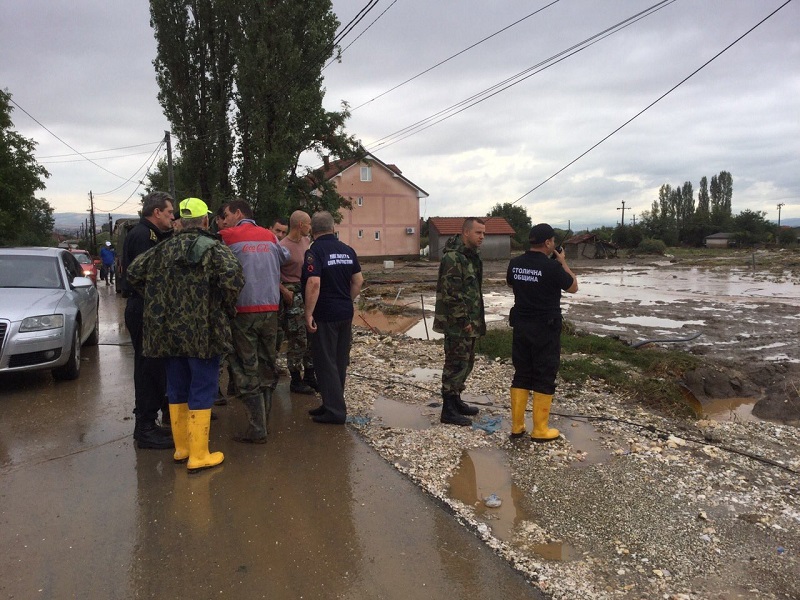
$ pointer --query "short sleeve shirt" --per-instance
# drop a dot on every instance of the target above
(537, 281)
(335, 263)
(291, 269)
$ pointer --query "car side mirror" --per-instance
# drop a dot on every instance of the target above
(81, 282)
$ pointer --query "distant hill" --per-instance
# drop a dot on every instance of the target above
(74, 221)
(788, 222)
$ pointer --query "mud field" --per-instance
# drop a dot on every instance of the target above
(739, 311)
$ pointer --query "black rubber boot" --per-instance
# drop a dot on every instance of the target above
(464, 408)
(298, 386)
(151, 436)
(450, 412)
(310, 379)
(257, 429)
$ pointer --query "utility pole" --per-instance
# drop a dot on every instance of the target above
(779, 213)
(634, 220)
(170, 173)
(622, 208)
(92, 226)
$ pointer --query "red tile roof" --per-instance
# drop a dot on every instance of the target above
(333, 168)
(452, 225)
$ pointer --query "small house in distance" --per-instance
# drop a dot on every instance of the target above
(588, 245)
(496, 245)
(719, 240)
(384, 219)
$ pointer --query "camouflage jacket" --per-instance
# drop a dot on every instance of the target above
(459, 298)
(190, 284)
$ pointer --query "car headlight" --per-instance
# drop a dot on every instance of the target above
(41, 323)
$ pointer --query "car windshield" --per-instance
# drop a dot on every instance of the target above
(19, 271)
(83, 258)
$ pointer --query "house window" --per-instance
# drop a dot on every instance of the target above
(377, 235)
(366, 173)
(360, 201)
(360, 233)
(336, 233)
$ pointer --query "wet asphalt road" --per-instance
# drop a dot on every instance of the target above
(315, 513)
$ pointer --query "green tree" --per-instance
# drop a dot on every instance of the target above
(517, 217)
(751, 228)
(24, 219)
(721, 195)
(241, 83)
(703, 211)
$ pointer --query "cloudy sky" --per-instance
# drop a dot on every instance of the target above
(83, 70)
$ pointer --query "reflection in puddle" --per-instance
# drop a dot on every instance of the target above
(380, 322)
(423, 330)
(398, 415)
(425, 374)
(483, 472)
(730, 409)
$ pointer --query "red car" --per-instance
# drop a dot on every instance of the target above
(87, 264)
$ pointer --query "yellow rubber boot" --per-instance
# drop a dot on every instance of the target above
(179, 416)
(519, 402)
(199, 457)
(541, 415)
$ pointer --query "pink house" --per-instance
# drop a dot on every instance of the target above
(384, 220)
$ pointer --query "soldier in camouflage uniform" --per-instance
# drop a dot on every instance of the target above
(190, 284)
(459, 316)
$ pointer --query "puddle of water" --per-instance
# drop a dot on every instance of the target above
(425, 374)
(484, 471)
(423, 330)
(730, 409)
(655, 322)
(584, 439)
(375, 320)
(398, 415)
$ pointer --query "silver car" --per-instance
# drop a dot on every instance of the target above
(48, 310)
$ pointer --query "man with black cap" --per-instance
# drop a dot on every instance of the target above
(149, 377)
(537, 281)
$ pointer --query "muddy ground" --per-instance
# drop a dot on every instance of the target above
(743, 306)
(627, 503)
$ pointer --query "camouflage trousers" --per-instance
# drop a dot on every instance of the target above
(253, 358)
(298, 350)
(459, 357)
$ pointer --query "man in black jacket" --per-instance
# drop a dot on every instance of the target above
(149, 375)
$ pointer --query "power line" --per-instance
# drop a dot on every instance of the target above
(98, 151)
(449, 58)
(64, 162)
(509, 82)
(362, 33)
(62, 141)
(153, 154)
(124, 202)
(654, 102)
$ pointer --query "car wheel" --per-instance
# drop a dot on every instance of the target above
(72, 369)
(94, 337)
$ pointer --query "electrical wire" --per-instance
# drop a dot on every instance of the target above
(116, 208)
(98, 151)
(449, 58)
(35, 120)
(154, 153)
(360, 34)
(654, 102)
(64, 162)
(509, 82)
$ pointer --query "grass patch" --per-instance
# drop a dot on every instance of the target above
(647, 374)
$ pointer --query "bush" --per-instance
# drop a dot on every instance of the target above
(651, 246)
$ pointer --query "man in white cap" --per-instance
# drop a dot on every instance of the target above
(108, 257)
